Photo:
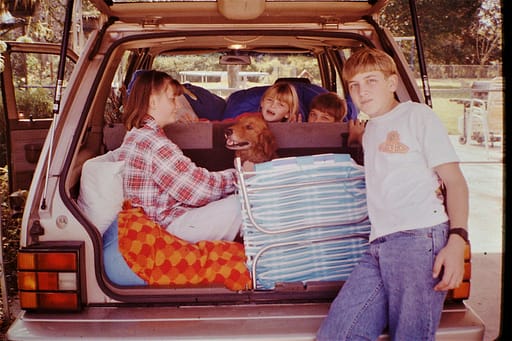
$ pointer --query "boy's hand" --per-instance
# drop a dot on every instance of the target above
(355, 132)
(451, 261)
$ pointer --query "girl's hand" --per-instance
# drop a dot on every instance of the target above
(248, 166)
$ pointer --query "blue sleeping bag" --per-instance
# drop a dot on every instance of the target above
(352, 110)
(248, 100)
(241, 101)
(206, 104)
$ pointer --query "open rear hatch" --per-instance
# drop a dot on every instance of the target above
(229, 11)
(321, 287)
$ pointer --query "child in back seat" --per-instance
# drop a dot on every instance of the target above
(327, 107)
(172, 190)
(249, 100)
(330, 108)
(280, 103)
(196, 103)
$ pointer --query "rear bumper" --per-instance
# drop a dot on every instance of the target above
(263, 322)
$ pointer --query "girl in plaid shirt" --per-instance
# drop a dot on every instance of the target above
(174, 192)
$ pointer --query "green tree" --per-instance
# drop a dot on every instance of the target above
(42, 19)
(487, 32)
(444, 26)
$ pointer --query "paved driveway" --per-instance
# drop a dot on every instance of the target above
(483, 169)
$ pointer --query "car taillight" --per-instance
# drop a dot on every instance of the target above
(49, 276)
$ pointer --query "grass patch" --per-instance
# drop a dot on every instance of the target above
(449, 113)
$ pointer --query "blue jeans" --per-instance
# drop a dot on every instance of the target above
(392, 286)
(115, 266)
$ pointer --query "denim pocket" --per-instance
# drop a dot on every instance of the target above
(439, 237)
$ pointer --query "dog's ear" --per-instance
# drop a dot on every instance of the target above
(269, 143)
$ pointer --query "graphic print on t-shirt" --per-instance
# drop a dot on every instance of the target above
(393, 144)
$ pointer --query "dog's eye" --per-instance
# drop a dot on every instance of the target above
(249, 127)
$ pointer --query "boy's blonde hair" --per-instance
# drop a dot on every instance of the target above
(367, 60)
(284, 92)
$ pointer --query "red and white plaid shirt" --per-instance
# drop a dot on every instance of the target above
(163, 181)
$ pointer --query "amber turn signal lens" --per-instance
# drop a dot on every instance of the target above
(49, 277)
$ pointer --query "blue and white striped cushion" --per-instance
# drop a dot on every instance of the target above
(304, 219)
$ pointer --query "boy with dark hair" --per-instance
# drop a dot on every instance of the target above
(327, 107)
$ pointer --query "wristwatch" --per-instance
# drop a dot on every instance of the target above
(462, 232)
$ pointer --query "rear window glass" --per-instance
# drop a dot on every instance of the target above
(265, 69)
(34, 79)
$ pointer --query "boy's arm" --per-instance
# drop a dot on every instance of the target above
(450, 259)
(355, 132)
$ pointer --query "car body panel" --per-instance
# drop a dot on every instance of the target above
(243, 322)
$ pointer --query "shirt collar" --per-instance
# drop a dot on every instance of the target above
(149, 121)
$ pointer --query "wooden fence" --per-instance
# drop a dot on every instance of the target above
(462, 71)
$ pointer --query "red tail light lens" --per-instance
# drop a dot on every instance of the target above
(49, 277)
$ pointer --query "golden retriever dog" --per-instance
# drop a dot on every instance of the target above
(251, 139)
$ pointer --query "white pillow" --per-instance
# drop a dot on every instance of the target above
(101, 190)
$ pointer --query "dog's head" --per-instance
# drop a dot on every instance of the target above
(250, 137)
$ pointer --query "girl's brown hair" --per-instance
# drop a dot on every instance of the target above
(367, 60)
(146, 83)
(284, 92)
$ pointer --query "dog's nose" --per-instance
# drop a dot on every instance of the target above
(228, 132)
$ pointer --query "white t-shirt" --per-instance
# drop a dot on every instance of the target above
(401, 148)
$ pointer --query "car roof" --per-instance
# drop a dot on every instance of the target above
(232, 11)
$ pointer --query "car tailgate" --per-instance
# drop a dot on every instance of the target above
(245, 322)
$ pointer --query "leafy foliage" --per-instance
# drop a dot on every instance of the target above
(487, 32)
(448, 28)
(35, 103)
(453, 31)
(10, 243)
(10, 234)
